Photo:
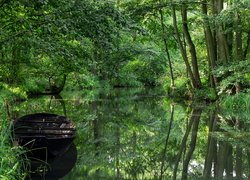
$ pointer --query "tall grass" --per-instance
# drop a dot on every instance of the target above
(12, 158)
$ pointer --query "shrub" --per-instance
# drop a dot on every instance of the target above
(240, 101)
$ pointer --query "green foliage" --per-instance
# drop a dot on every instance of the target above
(124, 129)
(146, 71)
(207, 94)
(181, 91)
(56, 39)
(12, 158)
(77, 81)
(10, 92)
(237, 103)
(35, 85)
(112, 43)
(13, 162)
(234, 121)
(126, 78)
(233, 74)
(101, 44)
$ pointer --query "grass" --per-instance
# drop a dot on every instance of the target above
(12, 158)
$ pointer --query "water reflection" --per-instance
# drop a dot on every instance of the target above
(227, 155)
(48, 141)
(139, 134)
(53, 168)
(186, 150)
(58, 98)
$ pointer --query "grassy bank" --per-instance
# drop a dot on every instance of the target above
(12, 162)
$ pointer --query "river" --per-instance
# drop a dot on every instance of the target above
(141, 134)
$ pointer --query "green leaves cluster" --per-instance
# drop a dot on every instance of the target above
(49, 39)
(237, 73)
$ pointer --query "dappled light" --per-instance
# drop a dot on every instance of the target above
(152, 89)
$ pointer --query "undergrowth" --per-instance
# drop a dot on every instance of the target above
(12, 156)
(13, 162)
(237, 102)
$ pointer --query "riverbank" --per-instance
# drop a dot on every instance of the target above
(13, 160)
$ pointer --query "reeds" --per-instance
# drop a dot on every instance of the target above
(12, 157)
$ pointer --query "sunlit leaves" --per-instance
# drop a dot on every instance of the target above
(233, 74)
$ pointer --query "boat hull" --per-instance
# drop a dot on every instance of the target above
(49, 132)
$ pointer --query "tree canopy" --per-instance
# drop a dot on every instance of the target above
(186, 45)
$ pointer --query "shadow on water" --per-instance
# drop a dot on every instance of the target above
(140, 134)
(48, 140)
(53, 168)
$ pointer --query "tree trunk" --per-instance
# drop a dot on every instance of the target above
(211, 48)
(182, 147)
(222, 158)
(229, 162)
(117, 153)
(239, 49)
(191, 45)
(182, 49)
(166, 142)
(247, 46)
(211, 146)
(195, 118)
(213, 29)
(223, 51)
(55, 88)
(166, 47)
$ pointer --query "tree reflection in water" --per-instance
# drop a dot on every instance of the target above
(140, 134)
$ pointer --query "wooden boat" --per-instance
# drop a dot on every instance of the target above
(55, 168)
(44, 131)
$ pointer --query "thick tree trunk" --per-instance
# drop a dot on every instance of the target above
(229, 162)
(211, 48)
(191, 45)
(196, 114)
(223, 51)
(211, 146)
(182, 49)
(239, 162)
(181, 149)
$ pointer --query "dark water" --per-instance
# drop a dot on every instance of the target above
(141, 134)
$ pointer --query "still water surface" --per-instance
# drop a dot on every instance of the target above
(141, 134)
